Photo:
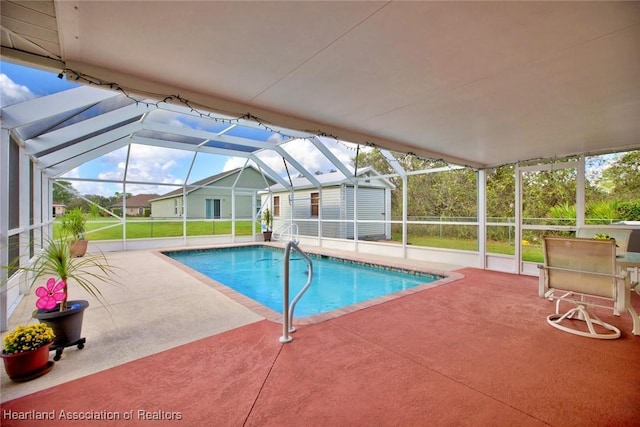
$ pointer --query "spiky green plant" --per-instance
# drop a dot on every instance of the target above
(267, 218)
(56, 259)
(74, 222)
(602, 211)
(562, 212)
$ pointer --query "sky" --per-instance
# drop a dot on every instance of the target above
(153, 164)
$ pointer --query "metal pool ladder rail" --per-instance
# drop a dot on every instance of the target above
(288, 232)
(287, 310)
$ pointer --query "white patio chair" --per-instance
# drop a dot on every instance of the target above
(621, 236)
(583, 272)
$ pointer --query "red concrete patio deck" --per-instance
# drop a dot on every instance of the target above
(476, 351)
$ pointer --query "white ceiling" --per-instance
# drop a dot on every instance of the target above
(475, 83)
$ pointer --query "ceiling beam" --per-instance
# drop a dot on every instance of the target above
(207, 135)
(270, 172)
(31, 60)
(70, 155)
(298, 166)
(394, 163)
(64, 166)
(103, 123)
(209, 150)
(176, 145)
(319, 143)
(37, 109)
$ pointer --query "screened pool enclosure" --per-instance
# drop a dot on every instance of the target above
(484, 219)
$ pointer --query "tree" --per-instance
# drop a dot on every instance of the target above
(543, 189)
(501, 188)
(440, 194)
(63, 192)
(97, 201)
(116, 198)
(624, 176)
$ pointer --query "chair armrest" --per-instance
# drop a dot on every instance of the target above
(543, 283)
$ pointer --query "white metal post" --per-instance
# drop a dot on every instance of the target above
(24, 196)
(4, 225)
(580, 193)
(481, 178)
(233, 214)
(518, 220)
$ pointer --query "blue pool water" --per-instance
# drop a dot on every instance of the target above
(257, 272)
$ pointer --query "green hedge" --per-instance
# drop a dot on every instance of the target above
(629, 211)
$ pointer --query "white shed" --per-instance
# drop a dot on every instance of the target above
(332, 206)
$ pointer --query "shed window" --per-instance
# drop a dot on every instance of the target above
(276, 205)
(315, 199)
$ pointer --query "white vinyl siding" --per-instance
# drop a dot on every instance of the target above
(371, 207)
(336, 208)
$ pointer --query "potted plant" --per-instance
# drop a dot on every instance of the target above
(25, 351)
(267, 220)
(53, 307)
(74, 224)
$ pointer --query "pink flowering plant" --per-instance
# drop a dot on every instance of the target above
(26, 338)
(55, 259)
(50, 295)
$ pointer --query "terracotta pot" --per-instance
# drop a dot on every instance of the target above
(28, 365)
(79, 248)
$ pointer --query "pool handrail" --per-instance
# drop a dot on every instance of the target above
(287, 309)
(291, 230)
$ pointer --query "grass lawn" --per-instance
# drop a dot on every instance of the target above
(531, 253)
(139, 228)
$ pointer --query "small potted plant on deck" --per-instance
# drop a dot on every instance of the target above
(25, 351)
(53, 307)
(267, 221)
(74, 224)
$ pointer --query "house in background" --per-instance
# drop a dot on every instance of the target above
(58, 209)
(337, 203)
(211, 198)
(138, 205)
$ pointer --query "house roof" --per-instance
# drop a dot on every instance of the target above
(137, 201)
(206, 182)
(474, 83)
(337, 178)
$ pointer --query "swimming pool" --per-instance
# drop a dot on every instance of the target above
(257, 272)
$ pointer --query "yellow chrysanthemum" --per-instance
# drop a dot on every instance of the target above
(27, 338)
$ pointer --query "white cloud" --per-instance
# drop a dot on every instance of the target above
(89, 187)
(149, 164)
(168, 118)
(235, 162)
(146, 164)
(12, 93)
